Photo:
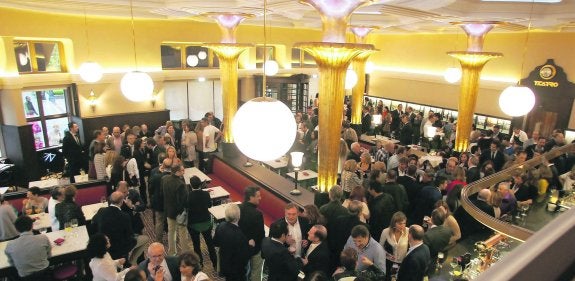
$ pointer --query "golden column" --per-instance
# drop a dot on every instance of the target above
(358, 65)
(333, 57)
(472, 62)
(228, 52)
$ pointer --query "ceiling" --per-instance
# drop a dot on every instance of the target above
(392, 16)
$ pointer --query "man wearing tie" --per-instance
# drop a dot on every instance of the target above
(73, 151)
(494, 155)
(414, 265)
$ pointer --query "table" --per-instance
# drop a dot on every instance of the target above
(303, 175)
(190, 172)
(217, 193)
(219, 212)
(91, 210)
(278, 163)
(42, 221)
(75, 241)
(374, 139)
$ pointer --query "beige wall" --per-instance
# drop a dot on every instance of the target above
(110, 44)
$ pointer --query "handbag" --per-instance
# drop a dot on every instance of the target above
(182, 218)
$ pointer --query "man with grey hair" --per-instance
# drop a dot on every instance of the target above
(333, 209)
(233, 244)
(472, 173)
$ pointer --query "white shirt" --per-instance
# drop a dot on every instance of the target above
(132, 168)
(295, 232)
(413, 248)
(210, 133)
(199, 277)
(568, 183)
(425, 130)
(106, 269)
(312, 247)
(522, 137)
(52, 213)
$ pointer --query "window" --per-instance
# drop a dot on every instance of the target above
(182, 56)
(39, 56)
(47, 111)
(271, 55)
(300, 58)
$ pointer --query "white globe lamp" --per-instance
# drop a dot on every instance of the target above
(202, 55)
(350, 79)
(90, 71)
(264, 129)
(452, 74)
(369, 67)
(272, 67)
(192, 60)
(137, 86)
(516, 100)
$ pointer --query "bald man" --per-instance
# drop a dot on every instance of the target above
(158, 264)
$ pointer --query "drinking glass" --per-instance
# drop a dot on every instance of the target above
(454, 262)
(74, 225)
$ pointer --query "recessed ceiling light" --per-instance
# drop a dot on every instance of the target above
(526, 1)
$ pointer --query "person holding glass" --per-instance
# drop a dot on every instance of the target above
(103, 267)
(34, 204)
(68, 210)
(394, 241)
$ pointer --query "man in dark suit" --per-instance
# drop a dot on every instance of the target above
(117, 225)
(234, 248)
(414, 265)
(425, 201)
(252, 225)
(333, 209)
(381, 208)
(340, 230)
(155, 149)
(175, 195)
(405, 131)
(493, 154)
(412, 187)
(365, 120)
(282, 265)
(157, 196)
(158, 264)
(397, 191)
(395, 118)
(467, 223)
(317, 254)
(472, 173)
(73, 151)
(297, 228)
(437, 237)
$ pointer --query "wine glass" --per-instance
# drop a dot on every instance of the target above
(454, 262)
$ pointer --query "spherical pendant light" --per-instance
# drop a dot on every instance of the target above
(272, 67)
(516, 100)
(202, 55)
(90, 71)
(350, 79)
(452, 74)
(264, 129)
(192, 60)
(137, 86)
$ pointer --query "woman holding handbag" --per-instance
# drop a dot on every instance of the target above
(200, 219)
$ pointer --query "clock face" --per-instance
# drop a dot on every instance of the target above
(547, 72)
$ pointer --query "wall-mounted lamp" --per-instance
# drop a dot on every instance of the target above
(92, 100)
(154, 99)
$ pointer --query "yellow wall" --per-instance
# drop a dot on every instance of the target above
(110, 44)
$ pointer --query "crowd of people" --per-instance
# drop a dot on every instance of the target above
(391, 215)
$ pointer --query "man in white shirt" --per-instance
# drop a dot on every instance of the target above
(318, 251)
(297, 228)
(211, 136)
(57, 195)
(519, 137)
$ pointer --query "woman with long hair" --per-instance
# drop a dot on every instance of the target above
(311, 212)
(349, 177)
(450, 222)
(458, 178)
(358, 193)
(394, 241)
(100, 160)
(188, 145)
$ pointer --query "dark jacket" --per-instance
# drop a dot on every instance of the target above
(282, 266)
(414, 265)
(332, 210)
(303, 225)
(397, 191)
(68, 210)
(197, 205)
(252, 225)
(472, 174)
(234, 251)
(381, 208)
(317, 260)
(173, 267)
(406, 134)
(498, 161)
(437, 238)
(118, 227)
(139, 206)
(425, 202)
(175, 195)
(155, 190)
(74, 154)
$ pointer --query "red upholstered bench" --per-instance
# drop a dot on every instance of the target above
(233, 181)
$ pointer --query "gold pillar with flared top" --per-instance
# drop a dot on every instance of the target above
(333, 57)
(228, 55)
(471, 65)
(472, 62)
(228, 52)
(333, 60)
(358, 65)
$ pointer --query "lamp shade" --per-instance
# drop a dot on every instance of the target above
(452, 74)
(296, 159)
(272, 67)
(137, 86)
(90, 71)
(350, 79)
(516, 100)
(264, 129)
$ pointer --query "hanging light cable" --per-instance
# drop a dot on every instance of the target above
(90, 71)
(518, 100)
(136, 86)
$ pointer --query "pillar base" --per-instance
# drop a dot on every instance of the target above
(230, 149)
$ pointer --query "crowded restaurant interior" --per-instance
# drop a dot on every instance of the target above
(283, 140)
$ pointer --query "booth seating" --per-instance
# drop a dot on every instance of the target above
(271, 206)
